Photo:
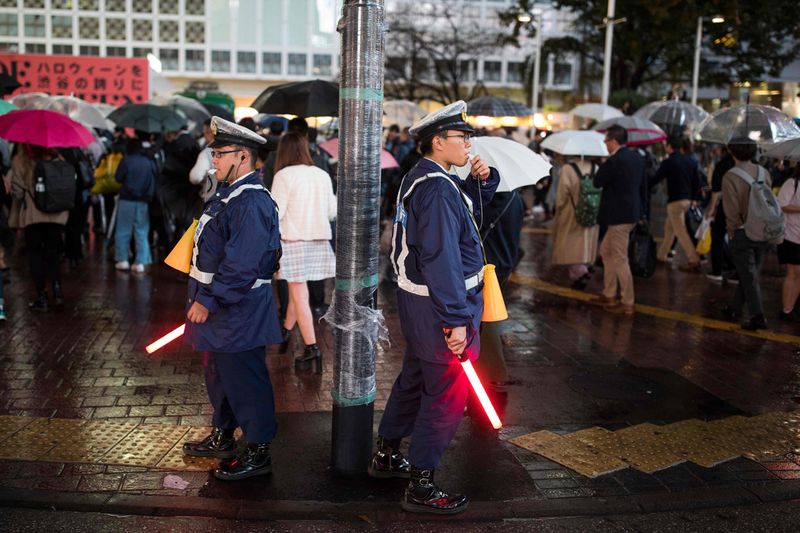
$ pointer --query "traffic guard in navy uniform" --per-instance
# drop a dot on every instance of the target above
(438, 260)
(230, 312)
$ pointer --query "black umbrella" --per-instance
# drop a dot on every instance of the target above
(492, 106)
(148, 118)
(8, 84)
(315, 98)
(218, 111)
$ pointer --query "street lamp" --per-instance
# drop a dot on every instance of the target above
(716, 19)
(526, 18)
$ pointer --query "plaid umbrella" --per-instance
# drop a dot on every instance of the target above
(492, 106)
(640, 131)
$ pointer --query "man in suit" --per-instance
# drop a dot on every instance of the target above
(622, 178)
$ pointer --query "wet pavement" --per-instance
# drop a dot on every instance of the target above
(573, 367)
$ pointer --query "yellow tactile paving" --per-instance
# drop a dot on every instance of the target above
(100, 442)
(695, 320)
(650, 448)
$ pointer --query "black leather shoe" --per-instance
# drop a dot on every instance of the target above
(255, 460)
(423, 496)
(755, 323)
(311, 356)
(39, 304)
(58, 294)
(220, 443)
(388, 461)
(286, 334)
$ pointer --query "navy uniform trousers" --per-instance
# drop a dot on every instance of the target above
(240, 391)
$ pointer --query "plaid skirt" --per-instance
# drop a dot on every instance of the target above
(307, 261)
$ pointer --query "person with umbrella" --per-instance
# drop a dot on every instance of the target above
(231, 316)
(438, 259)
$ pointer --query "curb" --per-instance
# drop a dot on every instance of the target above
(381, 512)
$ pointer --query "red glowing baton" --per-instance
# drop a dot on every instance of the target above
(477, 388)
(166, 339)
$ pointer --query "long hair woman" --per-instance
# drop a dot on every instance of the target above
(307, 205)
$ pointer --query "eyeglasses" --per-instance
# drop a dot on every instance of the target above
(217, 155)
(464, 138)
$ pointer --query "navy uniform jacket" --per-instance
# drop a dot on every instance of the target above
(436, 249)
(622, 178)
(235, 255)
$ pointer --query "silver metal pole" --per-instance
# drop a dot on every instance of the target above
(537, 64)
(353, 315)
(607, 54)
(698, 43)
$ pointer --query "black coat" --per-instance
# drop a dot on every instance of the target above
(622, 178)
(501, 230)
(682, 175)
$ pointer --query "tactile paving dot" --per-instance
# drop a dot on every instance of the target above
(11, 424)
(175, 458)
(146, 445)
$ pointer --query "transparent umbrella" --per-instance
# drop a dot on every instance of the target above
(789, 150)
(598, 112)
(760, 123)
(401, 112)
(673, 116)
(29, 100)
(77, 109)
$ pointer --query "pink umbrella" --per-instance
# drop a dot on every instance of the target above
(387, 159)
(43, 128)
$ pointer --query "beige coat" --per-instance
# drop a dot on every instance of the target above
(572, 243)
(23, 211)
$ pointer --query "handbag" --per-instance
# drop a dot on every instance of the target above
(642, 251)
(694, 218)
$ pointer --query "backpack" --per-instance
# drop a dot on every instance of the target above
(54, 186)
(765, 220)
(588, 206)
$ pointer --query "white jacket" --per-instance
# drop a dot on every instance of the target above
(306, 203)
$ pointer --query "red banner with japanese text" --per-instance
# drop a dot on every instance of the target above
(112, 80)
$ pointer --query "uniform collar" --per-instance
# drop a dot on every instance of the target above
(434, 165)
(251, 178)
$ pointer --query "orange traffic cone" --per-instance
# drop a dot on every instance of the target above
(180, 258)
(494, 308)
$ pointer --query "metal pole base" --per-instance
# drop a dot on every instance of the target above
(352, 450)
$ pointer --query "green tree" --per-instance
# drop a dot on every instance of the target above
(656, 43)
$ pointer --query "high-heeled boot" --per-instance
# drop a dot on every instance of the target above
(286, 334)
(311, 355)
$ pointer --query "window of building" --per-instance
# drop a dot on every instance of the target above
(169, 58)
(246, 62)
(142, 6)
(515, 71)
(35, 4)
(562, 74)
(492, 70)
(271, 35)
(396, 67)
(34, 25)
(219, 24)
(8, 24)
(271, 63)
(61, 26)
(168, 31)
(86, 50)
(89, 27)
(58, 4)
(35, 48)
(220, 61)
(115, 5)
(323, 22)
(195, 7)
(116, 51)
(322, 65)
(169, 6)
(297, 65)
(141, 51)
(89, 5)
(115, 30)
(298, 24)
(62, 49)
(12, 48)
(194, 60)
(468, 70)
(142, 30)
(420, 68)
(248, 10)
(195, 32)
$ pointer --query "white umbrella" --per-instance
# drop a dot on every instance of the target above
(598, 112)
(517, 164)
(402, 112)
(577, 142)
(76, 109)
(789, 150)
(760, 123)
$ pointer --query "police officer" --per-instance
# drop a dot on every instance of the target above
(230, 312)
(438, 260)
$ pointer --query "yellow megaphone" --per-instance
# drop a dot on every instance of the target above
(180, 258)
(494, 308)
